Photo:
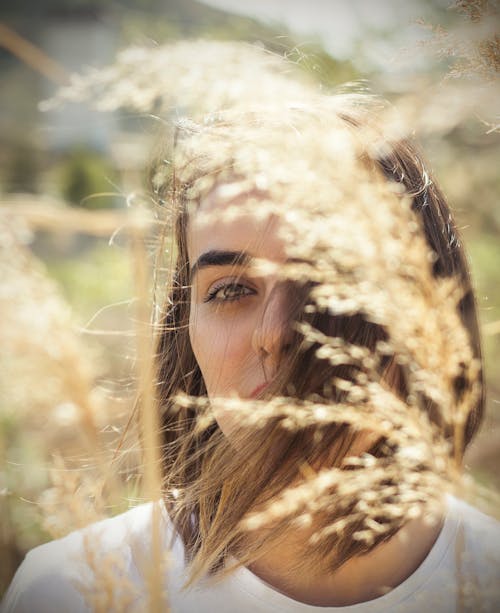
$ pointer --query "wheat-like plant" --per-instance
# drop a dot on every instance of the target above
(351, 234)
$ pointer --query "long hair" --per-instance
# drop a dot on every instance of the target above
(211, 490)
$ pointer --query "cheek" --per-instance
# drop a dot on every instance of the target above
(221, 347)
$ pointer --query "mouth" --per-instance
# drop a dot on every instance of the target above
(260, 388)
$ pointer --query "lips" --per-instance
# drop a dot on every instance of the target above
(260, 388)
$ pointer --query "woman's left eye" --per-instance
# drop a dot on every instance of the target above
(228, 292)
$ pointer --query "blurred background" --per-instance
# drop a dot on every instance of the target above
(67, 357)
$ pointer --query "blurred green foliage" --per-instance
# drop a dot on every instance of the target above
(484, 251)
(98, 278)
(86, 179)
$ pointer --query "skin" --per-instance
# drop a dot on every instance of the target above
(237, 314)
(236, 327)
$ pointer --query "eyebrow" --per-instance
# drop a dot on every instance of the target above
(220, 258)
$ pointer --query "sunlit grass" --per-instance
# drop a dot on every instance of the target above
(73, 376)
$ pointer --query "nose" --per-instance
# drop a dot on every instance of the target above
(271, 336)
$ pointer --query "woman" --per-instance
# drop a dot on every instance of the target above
(318, 377)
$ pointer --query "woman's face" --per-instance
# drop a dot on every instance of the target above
(237, 315)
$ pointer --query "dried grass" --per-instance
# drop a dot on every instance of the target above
(382, 269)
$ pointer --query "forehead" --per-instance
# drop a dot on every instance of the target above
(235, 224)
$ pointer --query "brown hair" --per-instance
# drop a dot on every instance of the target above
(210, 490)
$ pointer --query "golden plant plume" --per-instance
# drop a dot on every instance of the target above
(349, 232)
(39, 342)
(470, 47)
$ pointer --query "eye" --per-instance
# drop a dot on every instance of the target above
(228, 292)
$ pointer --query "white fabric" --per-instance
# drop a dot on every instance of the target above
(104, 568)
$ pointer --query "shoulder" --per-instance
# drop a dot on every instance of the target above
(479, 532)
(99, 567)
(477, 556)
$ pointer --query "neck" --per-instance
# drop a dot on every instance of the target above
(359, 579)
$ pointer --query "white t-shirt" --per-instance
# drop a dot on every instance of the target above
(103, 568)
